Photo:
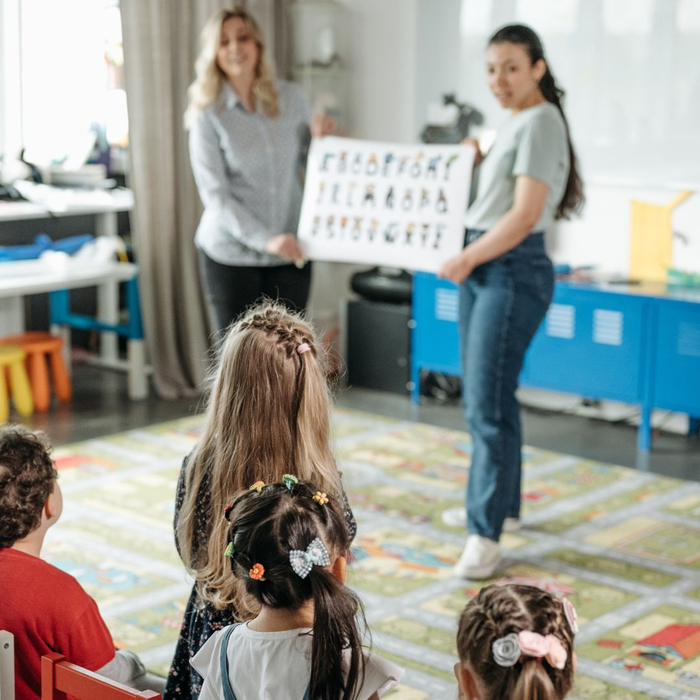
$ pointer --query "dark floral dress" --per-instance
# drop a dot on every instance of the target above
(203, 619)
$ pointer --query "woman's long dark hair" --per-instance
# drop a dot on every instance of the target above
(573, 199)
(264, 527)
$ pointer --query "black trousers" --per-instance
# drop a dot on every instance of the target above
(231, 289)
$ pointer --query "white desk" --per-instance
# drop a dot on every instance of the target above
(25, 278)
(104, 205)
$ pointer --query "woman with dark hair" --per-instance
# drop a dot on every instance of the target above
(528, 179)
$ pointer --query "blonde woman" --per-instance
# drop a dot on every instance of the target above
(268, 415)
(247, 140)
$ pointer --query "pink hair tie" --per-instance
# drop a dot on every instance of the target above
(301, 349)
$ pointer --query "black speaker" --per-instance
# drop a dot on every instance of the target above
(379, 345)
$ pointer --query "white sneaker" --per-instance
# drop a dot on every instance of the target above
(480, 558)
(457, 517)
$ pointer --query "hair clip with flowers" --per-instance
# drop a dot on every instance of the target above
(257, 573)
(508, 650)
(289, 480)
(257, 486)
(230, 551)
(321, 498)
(227, 511)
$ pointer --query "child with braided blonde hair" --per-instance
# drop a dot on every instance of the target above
(516, 642)
(268, 413)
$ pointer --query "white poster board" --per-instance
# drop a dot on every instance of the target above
(385, 204)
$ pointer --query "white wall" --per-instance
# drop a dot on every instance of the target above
(601, 237)
(382, 61)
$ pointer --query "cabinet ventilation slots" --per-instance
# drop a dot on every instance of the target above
(608, 327)
(561, 321)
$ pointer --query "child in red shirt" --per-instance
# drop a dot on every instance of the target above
(45, 608)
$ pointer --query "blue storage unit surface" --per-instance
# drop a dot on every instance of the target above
(590, 343)
(676, 378)
(637, 344)
(435, 337)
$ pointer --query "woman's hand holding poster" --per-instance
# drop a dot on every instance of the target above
(385, 204)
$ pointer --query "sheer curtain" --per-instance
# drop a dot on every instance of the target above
(161, 42)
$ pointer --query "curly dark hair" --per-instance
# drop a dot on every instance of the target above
(27, 476)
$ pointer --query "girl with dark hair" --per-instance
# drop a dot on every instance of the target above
(516, 642)
(287, 544)
(528, 179)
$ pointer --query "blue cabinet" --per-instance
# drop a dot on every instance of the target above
(590, 343)
(633, 344)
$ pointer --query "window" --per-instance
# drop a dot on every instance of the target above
(62, 68)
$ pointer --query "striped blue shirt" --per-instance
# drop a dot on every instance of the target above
(246, 166)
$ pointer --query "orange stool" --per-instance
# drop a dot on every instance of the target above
(12, 359)
(36, 345)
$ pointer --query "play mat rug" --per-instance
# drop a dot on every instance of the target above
(623, 545)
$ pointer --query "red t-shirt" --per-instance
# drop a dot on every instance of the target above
(47, 611)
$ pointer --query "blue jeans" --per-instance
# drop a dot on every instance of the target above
(501, 305)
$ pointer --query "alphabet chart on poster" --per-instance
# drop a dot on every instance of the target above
(385, 204)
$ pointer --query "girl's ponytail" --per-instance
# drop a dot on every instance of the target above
(335, 631)
(534, 683)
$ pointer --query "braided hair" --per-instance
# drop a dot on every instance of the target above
(573, 198)
(268, 413)
(265, 526)
(501, 610)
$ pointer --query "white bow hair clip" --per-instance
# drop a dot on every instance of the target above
(315, 554)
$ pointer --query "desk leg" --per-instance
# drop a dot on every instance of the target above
(12, 315)
(108, 312)
(137, 379)
(63, 332)
(106, 224)
(644, 432)
(415, 384)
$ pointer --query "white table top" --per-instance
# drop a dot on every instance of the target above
(59, 201)
(29, 277)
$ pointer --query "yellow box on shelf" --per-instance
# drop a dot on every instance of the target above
(651, 239)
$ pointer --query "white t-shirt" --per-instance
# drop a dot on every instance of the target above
(277, 666)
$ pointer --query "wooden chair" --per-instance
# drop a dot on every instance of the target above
(59, 677)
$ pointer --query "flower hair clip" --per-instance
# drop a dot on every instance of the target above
(570, 614)
(227, 511)
(230, 551)
(257, 573)
(508, 650)
(289, 480)
(320, 498)
(315, 554)
(257, 486)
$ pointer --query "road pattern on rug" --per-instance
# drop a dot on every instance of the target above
(623, 545)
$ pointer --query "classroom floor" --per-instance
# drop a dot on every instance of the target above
(100, 406)
(620, 544)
